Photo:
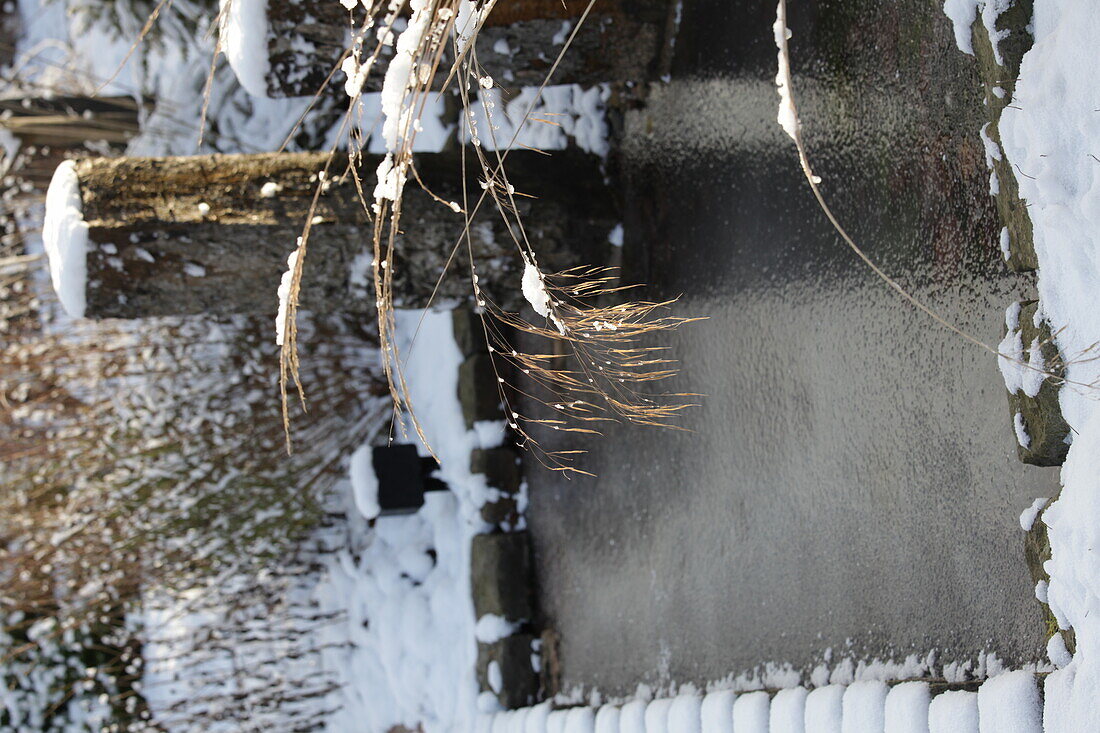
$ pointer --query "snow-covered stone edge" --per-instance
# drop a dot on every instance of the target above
(65, 238)
(1010, 701)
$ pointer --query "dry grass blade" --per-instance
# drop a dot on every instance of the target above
(608, 345)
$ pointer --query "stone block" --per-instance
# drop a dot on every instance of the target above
(502, 511)
(514, 680)
(501, 576)
(1040, 415)
(469, 331)
(500, 466)
(478, 391)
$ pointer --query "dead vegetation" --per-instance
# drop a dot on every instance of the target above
(611, 370)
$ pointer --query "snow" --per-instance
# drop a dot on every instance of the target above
(1009, 703)
(1057, 652)
(364, 482)
(615, 237)
(632, 717)
(537, 718)
(607, 719)
(65, 237)
(491, 627)
(244, 41)
(1022, 436)
(284, 297)
(788, 116)
(580, 720)
(1047, 134)
(558, 116)
(397, 109)
(751, 713)
(963, 13)
(656, 716)
(555, 721)
(685, 714)
(907, 708)
(1028, 516)
(410, 619)
(788, 713)
(716, 712)
(954, 711)
(865, 707)
(534, 290)
(824, 709)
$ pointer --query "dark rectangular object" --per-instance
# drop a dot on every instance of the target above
(400, 478)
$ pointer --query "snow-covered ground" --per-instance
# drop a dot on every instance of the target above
(1050, 133)
(409, 616)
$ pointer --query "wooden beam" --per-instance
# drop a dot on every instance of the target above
(211, 234)
(621, 40)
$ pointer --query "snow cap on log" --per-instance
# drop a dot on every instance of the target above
(65, 236)
(243, 35)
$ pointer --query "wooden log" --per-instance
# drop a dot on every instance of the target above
(50, 129)
(621, 40)
(211, 234)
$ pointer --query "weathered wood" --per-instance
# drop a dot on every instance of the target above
(174, 236)
(51, 129)
(621, 40)
(70, 121)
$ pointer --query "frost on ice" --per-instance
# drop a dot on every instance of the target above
(65, 236)
(244, 41)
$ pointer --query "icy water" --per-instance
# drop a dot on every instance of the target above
(850, 482)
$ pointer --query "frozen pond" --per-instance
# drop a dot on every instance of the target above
(851, 480)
